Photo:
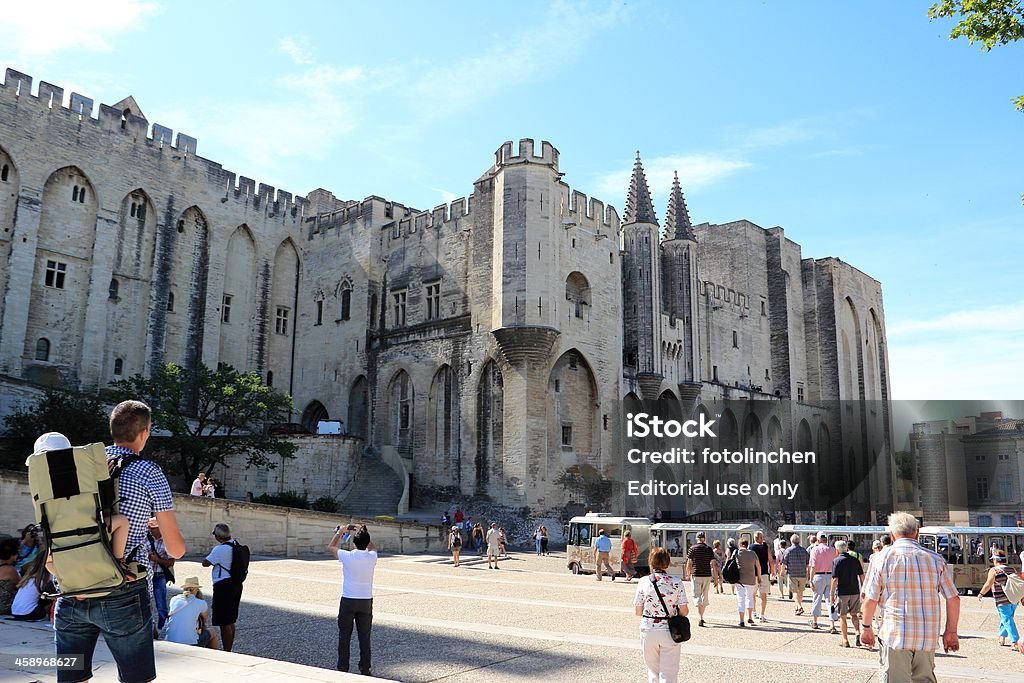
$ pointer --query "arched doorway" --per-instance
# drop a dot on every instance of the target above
(313, 414)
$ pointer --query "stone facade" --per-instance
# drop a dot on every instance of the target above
(488, 342)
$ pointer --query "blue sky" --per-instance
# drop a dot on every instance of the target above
(861, 129)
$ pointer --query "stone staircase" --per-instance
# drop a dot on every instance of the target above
(375, 491)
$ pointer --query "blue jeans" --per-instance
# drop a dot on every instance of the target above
(1006, 626)
(126, 621)
(160, 598)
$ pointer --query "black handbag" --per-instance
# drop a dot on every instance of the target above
(678, 625)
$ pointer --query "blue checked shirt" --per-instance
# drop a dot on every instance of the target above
(143, 491)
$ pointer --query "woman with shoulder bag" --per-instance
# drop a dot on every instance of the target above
(659, 596)
(996, 581)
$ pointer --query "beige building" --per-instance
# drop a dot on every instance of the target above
(483, 346)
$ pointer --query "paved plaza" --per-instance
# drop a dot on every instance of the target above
(533, 620)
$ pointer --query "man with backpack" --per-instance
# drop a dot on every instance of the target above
(123, 615)
(230, 562)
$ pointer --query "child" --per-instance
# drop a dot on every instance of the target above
(117, 525)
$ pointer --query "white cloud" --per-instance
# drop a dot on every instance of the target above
(1001, 318)
(696, 171)
(290, 46)
(516, 59)
(39, 29)
(446, 196)
(966, 354)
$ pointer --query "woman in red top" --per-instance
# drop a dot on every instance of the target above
(629, 555)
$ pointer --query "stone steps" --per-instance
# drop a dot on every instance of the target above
(376, 490)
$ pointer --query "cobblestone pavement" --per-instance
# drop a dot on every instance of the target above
(533, 620)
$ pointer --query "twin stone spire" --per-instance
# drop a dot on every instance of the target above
(640, 208)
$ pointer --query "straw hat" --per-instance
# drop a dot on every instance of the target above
(191, 582)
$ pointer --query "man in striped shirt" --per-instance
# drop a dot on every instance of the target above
(907, 580)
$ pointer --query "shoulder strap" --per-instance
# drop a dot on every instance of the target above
(654, 582)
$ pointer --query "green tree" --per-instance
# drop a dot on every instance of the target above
(989, 22)
(81, 418)
(212, 415)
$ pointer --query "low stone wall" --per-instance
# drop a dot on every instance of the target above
(266, 529)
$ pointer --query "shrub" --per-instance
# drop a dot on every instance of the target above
(325, 504)
(288, 499)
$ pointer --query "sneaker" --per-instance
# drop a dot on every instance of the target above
(761, 618)
(750, 621)
(858, 641)
(742, 624)
(814, 626)
(702, 623)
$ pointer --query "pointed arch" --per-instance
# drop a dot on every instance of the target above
(401, 397)
(10, 189)
(490, 399)
(728, 435)
(238, 300)
(133, 270)
(578, 296)
(442, 422)
(185, 324)
(573, 436)
(63, 264)
(313, 414)
(282, 314)
(136, 236)
(359, 407)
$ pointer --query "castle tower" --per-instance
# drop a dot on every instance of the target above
(526, 283)
(679, 274)
(641, 282)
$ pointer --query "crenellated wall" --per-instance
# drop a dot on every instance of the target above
(122, 221)
(486, 341)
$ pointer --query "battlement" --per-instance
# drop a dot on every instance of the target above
(414, 221)
(548, 154)
(593, 213)
(724, 294)
(17, 87)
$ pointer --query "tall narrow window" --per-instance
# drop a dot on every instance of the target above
(131, 211)
(74, 193)
(115, 287)
(170, 302)
(81, 196)
(225, 308)
(399, 307)
(566, 435)
(319, 312)
(5, 173)
(346, 302)
(433, 301)
(55, 272)
(43, 349)
(281, 320)
(799, 393)
(118, 366)
(735, 339)
(982, 483)
(270, 378)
